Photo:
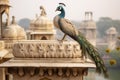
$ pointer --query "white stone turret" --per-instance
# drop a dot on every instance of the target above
(4, 8)
(111, 37)
(88, 28)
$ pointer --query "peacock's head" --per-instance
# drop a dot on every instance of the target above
(60, 7)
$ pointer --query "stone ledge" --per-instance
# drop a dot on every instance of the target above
(46, 49)
(48, 62)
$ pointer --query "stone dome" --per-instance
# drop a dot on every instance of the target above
(41, 23)
(14, 31)
(32, 24)
(111, 30)
(88, 24)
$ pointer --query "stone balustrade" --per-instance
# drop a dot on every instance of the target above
(9, 46)
(46, 49)
(59, 72)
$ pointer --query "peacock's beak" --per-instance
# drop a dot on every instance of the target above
(57, 9)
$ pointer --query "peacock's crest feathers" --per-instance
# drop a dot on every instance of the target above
(62, 4)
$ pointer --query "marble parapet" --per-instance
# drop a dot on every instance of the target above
(49, 63)
(46, 49)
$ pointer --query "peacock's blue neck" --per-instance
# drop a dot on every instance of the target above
(62, 14)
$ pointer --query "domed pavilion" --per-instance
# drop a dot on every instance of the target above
(13, 32)
(41, 28)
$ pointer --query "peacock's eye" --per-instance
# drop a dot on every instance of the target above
(59, 8)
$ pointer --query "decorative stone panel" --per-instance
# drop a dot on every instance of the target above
(46, 49)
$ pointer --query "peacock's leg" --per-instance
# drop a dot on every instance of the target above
(62, 38)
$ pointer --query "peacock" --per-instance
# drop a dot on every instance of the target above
(69, 29)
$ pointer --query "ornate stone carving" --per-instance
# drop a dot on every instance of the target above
(40, 49)
(50, 72)
(60, 72)
(85, 72)
(60, 51)
(68, 72)
(32, 71)
(69, 51)
(21, 72)
(75, 73)
(32, 50)
(43, 49)
(51, 50)
(77, 51)
(21, 49)
(41, 72)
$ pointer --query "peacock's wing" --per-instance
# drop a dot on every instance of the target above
(55, 21)
(67, 27)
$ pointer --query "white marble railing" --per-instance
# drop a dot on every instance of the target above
(9, 45)
(46, 49)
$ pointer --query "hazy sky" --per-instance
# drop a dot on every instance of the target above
(74, 8)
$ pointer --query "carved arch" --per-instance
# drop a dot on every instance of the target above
(44, 38)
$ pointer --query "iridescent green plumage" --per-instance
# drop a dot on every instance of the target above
(68, 28)
(92, 51)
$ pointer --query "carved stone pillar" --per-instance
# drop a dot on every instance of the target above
(20, 71)
(2, 73)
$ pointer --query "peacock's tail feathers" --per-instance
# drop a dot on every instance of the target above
(93, 53)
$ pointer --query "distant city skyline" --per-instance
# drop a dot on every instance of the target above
(74, 8)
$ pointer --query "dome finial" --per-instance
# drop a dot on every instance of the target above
(43, 12)
(13, 20)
